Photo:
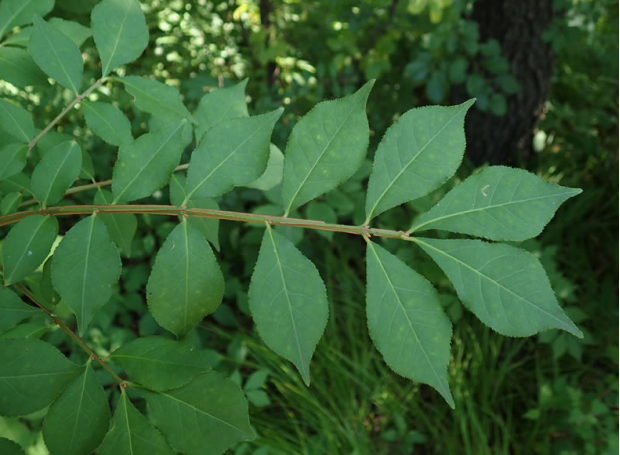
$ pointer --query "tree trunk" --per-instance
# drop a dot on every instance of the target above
(518, 26)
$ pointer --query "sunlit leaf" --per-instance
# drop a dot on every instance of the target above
(186, 283)
(108, 122)
(506, 287)
(32, 374)
(78, 420)
(325, 148)
(120, 32)
(159, 99)
(406, 321)
(288, 301)
(85, 268)
(27, 245)
(56, 172)
(418, 153)
(210, 415)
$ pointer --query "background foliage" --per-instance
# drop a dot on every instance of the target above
(556, 394)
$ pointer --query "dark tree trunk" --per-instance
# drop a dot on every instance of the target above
(518, 25)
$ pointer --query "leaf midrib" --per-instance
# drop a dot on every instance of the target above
(118, 37)
(182, 115)
(56, 54)
(16, 123)
(27, 248)
(85, 275)
(7, 24)
(58, 168)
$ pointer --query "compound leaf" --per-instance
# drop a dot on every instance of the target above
(325, 148)
(121, 226)
(406, 321)
(499, 203)
(108, 122)
(78, 420)
(418, 153)
(156, 98)
(120, 32)
(27, 245)
(12, 159)
(145, 165)
(13, 309)
(186, 283)
(288, 301)
(56, 54)
(218, 105)
(506, 287)
(56, 172)
(132, 433)
(161, 363)
(20, 12)
(233, 152)
(15, 121)
(18, 68)
(32, 374)
(210, 415)
(85, 268)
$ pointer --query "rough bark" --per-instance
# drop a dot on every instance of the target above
(518, 26)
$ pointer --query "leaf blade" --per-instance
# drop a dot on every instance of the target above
(16, 121)
(210, 111)
(12, 159)
(108, 122)
(56, 172)
(159, 99)
(20, 12)
(13, 309)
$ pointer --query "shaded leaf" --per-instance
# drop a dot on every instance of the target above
(8, 447)
(321, 211)
(418, 153)
(186, 283)
(121, 226)
(73, 30)
(20, 12)
(56, 172)
(16, 121)
(10, 203)
(27, 245)
(499, 203)
(506, 287)
(210, 415)
(145, 165)
(159, 99)
(12, 159)
(325, 148)
(32, 374)
(13, 309)
(18, 68)
(78, 420)
(85, 268)
(218, 105)
(406, 321)
(132, 433)
(56, 54)
(234, 152)
(120, 32)
(273, 173)
(288, 301)
(160, 363)
(108, 122)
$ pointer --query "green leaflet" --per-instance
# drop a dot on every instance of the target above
(27, 245)
(108, 122)
(20, 12)
(499, 203)
(325, 148)
(158, 123)
(186, 283)
(56, 172)
(73, 30)
(218, 105)
(78, 420)
(20, 38)
(32, 374)
(85, 268)
(56, 54)
(160, 363)
(13, 309)
(273, 173)
(418, 153)
(121, 226)
(12, 159)
(406, 321)
(10, 203)
(209, 227)
(18, 68)
(233, 152)
(210, 415)
(120, 32)
(19, 183)
(16, 121)
(288, 301)
(8, 447)
(132, 433)
(506, 287)
(159, 99)
(321, 211)
(145, 165)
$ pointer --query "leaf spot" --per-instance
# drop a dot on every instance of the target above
(485, 194)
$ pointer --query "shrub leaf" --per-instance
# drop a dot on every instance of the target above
(56, 172)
